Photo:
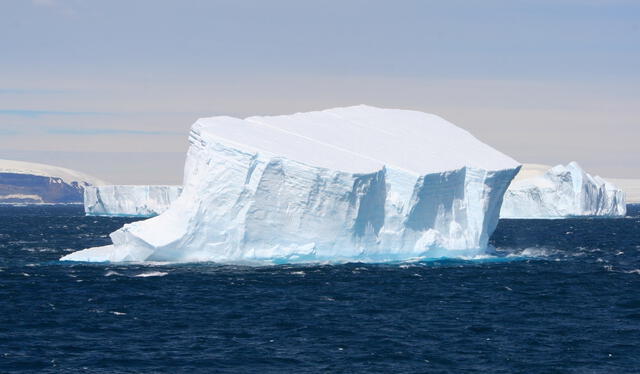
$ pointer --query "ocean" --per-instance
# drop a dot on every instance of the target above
(557, 296)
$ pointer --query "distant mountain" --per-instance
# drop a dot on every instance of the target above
(32, 183)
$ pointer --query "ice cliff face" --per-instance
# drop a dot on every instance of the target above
(562, 191)
(32, 183)
(631, 188)
(357, 183)
(129, 200)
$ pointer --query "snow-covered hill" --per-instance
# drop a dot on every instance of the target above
(33, 183)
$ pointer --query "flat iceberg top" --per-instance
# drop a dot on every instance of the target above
(255, 137)
(67, 175)
(360, 139)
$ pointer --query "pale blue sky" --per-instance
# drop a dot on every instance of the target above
(90, 84)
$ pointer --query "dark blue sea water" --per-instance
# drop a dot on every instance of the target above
(562, 297)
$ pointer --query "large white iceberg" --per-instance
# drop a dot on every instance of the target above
(562, 191)
(129, 200)
(357, 183)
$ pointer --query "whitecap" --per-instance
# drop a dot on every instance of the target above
(532, 252)
(608, 267)
(477, 257)
(151, 274)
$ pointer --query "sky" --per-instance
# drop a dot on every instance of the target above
(111, 88)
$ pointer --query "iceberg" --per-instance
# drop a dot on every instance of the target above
(631, 188)
(562, 191)
(129, 200)
(346, 184)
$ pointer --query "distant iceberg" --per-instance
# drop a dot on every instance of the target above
(129, 200)
(345, 184)
(562, 191)
(631, 188)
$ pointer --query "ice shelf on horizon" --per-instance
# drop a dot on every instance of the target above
(24, 182)
(562, 191)
(129, 200)
(357, 183)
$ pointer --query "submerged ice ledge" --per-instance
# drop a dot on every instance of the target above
(357, 183)
(105, 254)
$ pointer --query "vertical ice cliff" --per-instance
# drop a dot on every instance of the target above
(357, 183)
(562, 191)
(129, 200)
(631, 188)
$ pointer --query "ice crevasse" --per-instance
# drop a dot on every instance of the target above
(346, 184)
(561, 191)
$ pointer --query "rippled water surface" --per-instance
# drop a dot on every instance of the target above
(558, 297)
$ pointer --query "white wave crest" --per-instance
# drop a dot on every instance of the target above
(151, 274)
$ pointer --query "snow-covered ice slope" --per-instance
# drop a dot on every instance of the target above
(129, 200)
(29, 182)
(356, 183)
(562, 191)
(67, 176)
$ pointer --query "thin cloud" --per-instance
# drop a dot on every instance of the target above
(69, 131)
(7, 132)
(19, 91)
(49, 3)
(66, 8)
(40, 113)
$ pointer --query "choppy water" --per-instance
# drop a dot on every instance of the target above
(562, 297)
